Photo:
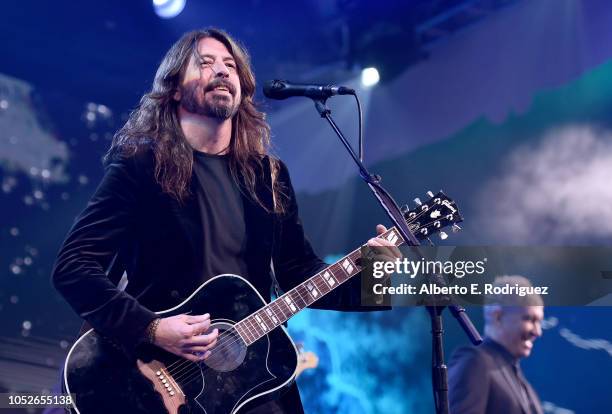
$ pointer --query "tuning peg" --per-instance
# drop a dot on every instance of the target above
(456, 228)
(418, 201)
(430, 194)
(443, 235)
(405, 208)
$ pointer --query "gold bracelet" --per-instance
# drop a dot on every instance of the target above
(151, 330)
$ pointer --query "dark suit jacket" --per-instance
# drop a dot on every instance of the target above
(131, 225)
(481, 381)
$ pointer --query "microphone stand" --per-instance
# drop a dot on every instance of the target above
(439, 369)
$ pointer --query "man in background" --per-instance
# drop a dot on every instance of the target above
(487, 379)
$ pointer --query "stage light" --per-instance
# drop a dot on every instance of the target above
(167, 9)
(369, 77)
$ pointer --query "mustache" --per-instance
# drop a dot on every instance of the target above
(215, 83)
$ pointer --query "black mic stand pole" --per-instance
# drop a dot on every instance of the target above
(439, 369)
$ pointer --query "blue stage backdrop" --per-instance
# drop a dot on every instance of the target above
(510, 114)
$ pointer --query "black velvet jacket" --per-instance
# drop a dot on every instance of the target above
(131, 225)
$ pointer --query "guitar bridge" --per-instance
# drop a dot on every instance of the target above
(172, 395)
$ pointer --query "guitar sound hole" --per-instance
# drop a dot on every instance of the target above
(230, 350)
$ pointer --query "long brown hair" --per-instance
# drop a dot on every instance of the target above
(156, 119)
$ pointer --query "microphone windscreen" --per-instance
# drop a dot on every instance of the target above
(272, 87)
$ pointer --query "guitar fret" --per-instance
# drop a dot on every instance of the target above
(265, 319)
(348, 266)
(286, 312)
(256, 329)
(246, 330)
(312, 290)
(394, 237)
(272, 316)
(295, 296)
(305, 294)
(354, 256)
(261, 323)
(339, 273)
(321, 284)
(290, 305)
(330, 278)
(242, 334)
(278, 311)
(287, 307)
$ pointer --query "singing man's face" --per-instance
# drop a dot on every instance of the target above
(211, 86)
(519, 327)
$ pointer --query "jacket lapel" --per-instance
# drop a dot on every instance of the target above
(259, 223)
(518, 394)
(533, 396)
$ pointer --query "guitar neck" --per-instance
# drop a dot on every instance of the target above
(305, 294)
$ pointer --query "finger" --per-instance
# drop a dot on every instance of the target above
(200, 348)
(374, 242)
(191, 319)
(201, 340)
(380, 229)
(200, 328)
(385, 246)
(191, 357)
(196, 356)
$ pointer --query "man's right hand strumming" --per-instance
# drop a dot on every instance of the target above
(187, 336)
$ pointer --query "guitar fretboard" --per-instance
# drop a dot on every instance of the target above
(284, 307)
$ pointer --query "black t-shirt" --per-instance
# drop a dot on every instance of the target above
(222, 211)
(224, 241)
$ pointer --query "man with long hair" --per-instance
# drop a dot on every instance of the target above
(190, 192)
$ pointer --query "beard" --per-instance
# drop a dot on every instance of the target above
(212, 105)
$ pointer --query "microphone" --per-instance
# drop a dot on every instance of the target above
(281, 89)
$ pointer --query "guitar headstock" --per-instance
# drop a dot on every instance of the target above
(431, 216)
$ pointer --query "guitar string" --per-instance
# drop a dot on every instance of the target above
(228, 335)
(302, 292)
(172, 369)
(187, 375)
(225, 344)
(247, 329)
(197, 371)
(219, 347)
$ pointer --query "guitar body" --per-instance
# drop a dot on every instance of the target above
(234, 379)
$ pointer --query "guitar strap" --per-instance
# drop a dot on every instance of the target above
(275, 289)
